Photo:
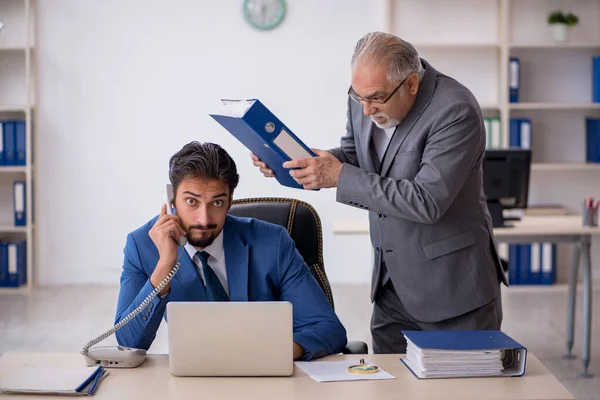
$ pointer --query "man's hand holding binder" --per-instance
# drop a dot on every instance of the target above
(318, 172)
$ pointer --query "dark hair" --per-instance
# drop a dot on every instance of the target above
(203, 161)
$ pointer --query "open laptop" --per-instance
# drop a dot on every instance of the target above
(230, 338)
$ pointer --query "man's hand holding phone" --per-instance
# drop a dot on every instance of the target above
(164, 234)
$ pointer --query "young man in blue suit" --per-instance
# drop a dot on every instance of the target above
(226, 258)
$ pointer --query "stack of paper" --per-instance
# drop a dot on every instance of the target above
(51, 380)
(459, 354)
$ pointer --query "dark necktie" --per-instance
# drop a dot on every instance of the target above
(214, 289)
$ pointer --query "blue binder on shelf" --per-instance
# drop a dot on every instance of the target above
(257, 128)
(16, 264)
(514, 70)
(3, 264)
(2, 156)
(19, 203)
(592, 138)
(20, 158)
(547, 263)
(9, 142)
(596, 79)
(520, 133)
(463, 354)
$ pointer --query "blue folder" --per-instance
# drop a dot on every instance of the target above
(514, 355)
(20, 148)
(265, 135)
(596, 79)
(19, 200)
(3, 264)
(16, 264)
(2, 156)
(592, 133)
(514, 80)
(9, 143)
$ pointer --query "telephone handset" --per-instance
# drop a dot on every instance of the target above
(168, 197)
(122, 356)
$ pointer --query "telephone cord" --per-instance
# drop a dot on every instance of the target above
(134, 313)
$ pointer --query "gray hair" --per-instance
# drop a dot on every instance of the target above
(400, 57)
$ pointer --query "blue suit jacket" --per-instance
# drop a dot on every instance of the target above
(262, 264)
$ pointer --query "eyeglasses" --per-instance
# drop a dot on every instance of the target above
(360, 100)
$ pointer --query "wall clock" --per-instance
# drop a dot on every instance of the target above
(264, 14)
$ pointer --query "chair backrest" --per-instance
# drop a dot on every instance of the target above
(302, 223)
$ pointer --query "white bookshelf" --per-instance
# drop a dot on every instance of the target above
(17, 88)
(557, 167)
(557, 46)
(473, 40)
(554, 106)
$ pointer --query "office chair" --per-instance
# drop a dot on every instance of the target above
(304, 226)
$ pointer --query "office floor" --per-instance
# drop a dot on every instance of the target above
(64, 319)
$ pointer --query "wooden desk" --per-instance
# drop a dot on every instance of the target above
(540, 229)
(152, 380)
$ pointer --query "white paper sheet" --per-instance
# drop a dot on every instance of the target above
(332, 371)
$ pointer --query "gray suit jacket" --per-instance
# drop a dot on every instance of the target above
(428, 217)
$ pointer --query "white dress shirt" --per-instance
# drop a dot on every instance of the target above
(381, 140)
(216, 260)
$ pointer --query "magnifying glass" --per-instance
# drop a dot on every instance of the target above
(363, 368)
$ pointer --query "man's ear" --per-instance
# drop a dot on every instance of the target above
(413, 84)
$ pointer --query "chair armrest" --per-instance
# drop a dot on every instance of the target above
(356, 347)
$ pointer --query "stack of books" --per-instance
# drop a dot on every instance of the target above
(462, 354)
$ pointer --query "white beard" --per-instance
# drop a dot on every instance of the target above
(389, 123)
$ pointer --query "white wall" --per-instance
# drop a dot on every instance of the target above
(124, 85)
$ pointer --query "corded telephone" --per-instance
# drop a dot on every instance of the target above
(121, 356)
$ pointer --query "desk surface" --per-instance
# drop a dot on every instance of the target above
(527, 226)
(152, 380)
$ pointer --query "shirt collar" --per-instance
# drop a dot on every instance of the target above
(215, 249)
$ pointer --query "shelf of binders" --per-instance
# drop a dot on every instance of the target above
(554, 106)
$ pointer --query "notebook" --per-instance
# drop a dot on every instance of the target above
(463, 354)
(57, 380)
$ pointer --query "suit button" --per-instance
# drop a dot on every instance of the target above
(351, 203)
(144, 318)
(381, 216)
(377, 249)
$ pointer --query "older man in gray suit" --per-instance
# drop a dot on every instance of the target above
(412, 156)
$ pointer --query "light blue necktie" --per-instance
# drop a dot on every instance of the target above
(214, 289)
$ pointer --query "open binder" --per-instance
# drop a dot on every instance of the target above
(264, 134)
(21, 378)
(463, 354)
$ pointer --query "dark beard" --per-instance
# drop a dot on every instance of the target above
(204, 241)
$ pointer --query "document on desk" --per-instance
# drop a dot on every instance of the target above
(335, 371)
(24, 378)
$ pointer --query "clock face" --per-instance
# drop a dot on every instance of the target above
(264, 14)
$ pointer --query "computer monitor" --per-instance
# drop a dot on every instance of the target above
(506, 181)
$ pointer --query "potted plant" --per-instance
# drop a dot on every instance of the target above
(561, 23)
